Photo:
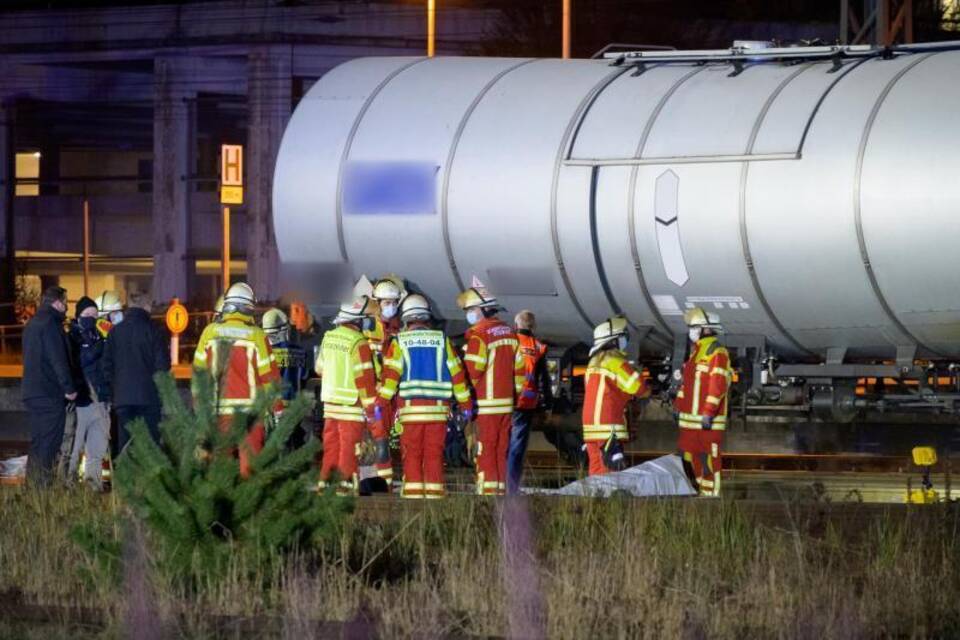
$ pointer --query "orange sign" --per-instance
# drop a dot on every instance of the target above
(231, 174)
(177, 318)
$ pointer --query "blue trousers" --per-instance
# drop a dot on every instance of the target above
(519, 438)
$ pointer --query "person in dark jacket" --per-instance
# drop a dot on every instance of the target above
(136, 349)
(87, 339)
(48, 383)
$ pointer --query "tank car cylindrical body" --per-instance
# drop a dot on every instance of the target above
(815, 204)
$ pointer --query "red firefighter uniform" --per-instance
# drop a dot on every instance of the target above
(610, 382)
(379, 338)
(495, 368)
(424, 370)
(703, 393)
(532, 351)
(237, 354)
(345, 362)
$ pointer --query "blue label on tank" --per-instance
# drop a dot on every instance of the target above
(391, 188)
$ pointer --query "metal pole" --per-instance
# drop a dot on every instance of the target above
(86, 247)
(225, 257)
(431, 27)
(908, 22)
(844, 21)
(883, 23)
(566, 28)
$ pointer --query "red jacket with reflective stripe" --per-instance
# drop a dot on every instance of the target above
(236, 352)
(703, 390)
(494, 365)
(610, 382)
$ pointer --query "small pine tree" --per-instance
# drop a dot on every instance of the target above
(189, 491)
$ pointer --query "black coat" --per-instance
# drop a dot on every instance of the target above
(47, 373)
(87, 346)
(135, 350)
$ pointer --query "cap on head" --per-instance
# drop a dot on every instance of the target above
(360, 308)
(415, 307)
(608, 331)
(389, 287)
(697, 317)
(83, 304)
(239, 297)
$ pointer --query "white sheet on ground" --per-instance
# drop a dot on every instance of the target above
(14, 467)
(663, 476)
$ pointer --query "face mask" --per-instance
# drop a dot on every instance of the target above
(388, 311)
(88, 322)
(367, 324)
(116, 317)
(694, 333)
(474, 316)
(622, 342)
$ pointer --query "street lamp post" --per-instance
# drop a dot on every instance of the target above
(566, 28)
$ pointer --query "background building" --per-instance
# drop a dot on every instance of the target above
(124, 108)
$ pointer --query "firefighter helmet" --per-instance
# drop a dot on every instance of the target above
(275, 323)
(239, 297)
(477, 297)
(697, 317)
(389, 287)
(415, 307)
(108, 302)
(608, 331)
(361, 307)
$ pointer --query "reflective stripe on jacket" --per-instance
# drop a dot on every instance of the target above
(237, 354)
(345, 362)
(494, 365)
(532, 351)
(705, 382)
(423, 367)
(609, 382)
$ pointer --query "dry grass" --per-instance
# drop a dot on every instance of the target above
(602, 569)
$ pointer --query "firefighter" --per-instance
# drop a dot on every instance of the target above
(536, 392)
(701, 402)
(235, 351)
(346, 364)
(423, 369)
(495, 369)
(291, 357)
(388, 292)
(610, 382)
(109, 311)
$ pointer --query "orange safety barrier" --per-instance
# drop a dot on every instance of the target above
(180, 371)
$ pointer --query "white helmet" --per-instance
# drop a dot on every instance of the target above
(275, 324)
(389, 287)
(608, 331)
(108, 302)
(361, 307)
(239, 297)
(415, 307)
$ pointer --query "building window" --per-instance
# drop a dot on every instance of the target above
(27, 173)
